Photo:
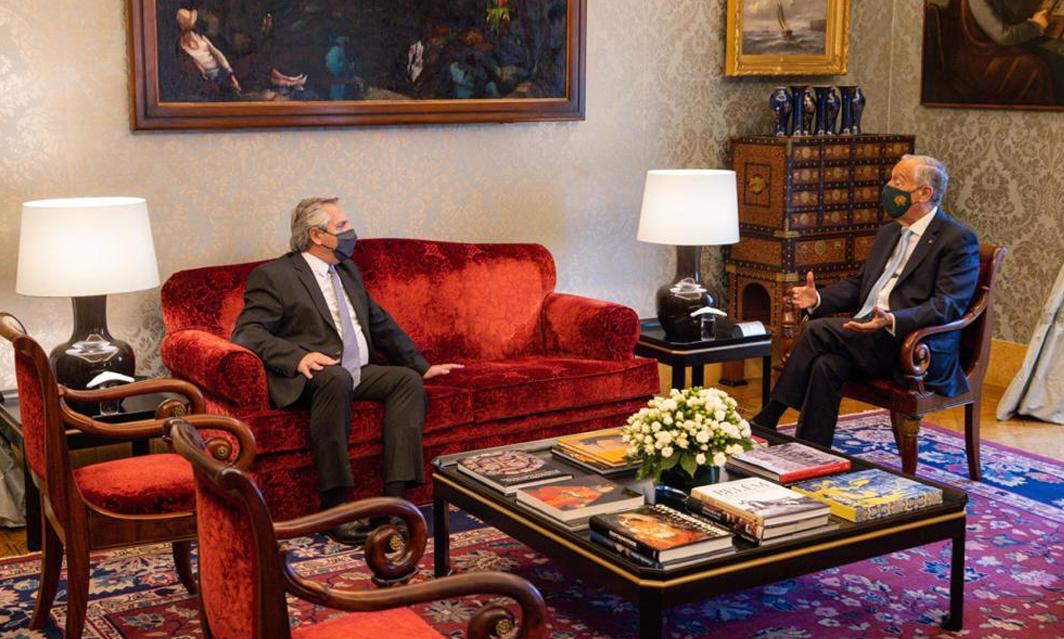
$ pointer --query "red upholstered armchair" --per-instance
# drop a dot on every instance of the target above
(537, 363)
(111, 504)
(244, 574)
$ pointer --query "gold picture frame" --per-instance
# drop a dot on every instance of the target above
(770, 43)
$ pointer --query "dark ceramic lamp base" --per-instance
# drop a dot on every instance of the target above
(90, 350)
(676, 300)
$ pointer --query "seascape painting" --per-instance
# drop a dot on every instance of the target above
(993, 54)
(507, 60)
(787, 37)
(785, 27)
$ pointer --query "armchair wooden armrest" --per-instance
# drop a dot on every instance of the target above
(489, 621)
(387, 570)
(916, 356)
(140, 429)
(144, 387)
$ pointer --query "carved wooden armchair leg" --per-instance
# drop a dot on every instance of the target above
(183, 562)
(51, 561)
(906, 428)
(971, 438)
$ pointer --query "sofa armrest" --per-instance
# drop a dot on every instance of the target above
(218, 366)
(590, 328)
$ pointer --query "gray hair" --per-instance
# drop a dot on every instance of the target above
(309, 214)
(930, 172)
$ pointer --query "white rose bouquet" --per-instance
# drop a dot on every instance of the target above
(689, 429)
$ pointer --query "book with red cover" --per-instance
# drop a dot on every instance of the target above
(579, 498)
(788, 463)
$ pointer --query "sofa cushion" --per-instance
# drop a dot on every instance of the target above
(286, 430)
(467, 301)
(543, 383)
(139, 485)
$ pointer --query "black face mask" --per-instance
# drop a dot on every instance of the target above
(345, 244)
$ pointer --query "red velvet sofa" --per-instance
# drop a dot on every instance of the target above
(537, 363)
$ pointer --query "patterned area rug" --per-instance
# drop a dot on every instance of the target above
(1015, 586)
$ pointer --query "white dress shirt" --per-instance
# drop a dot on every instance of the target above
(321, 274)
(883, 300)
(917, 229)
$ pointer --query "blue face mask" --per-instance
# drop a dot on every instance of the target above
(345, 244)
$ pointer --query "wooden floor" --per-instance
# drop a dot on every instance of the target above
(1026, 434)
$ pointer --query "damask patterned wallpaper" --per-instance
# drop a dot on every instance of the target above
(656, 99)
(1005, 169)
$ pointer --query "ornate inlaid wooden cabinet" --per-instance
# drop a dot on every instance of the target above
(805, 203)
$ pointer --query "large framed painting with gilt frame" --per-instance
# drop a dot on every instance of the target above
(787, 37)
(202, 64)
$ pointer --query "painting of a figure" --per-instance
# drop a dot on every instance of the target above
(994, 54)
(785, 27)
(786, 37)
(356, 61)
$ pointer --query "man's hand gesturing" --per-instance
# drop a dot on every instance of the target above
(805, 297)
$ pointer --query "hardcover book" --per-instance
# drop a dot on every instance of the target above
(603, 446)
(759, 501)
(508, 470)
(662, 533)
(870, 494)
(592, 465)
(578, 498)
(749, 529)
(788, 463)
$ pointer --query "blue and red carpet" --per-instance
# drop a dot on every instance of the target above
(1015, 568)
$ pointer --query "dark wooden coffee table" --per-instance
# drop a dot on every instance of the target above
(653, 590)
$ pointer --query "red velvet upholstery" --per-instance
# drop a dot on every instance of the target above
(541, 384)
(138, 485)
(584, 327)
(538, 363)
(232, 372)
(227, 564)
(31, 409)
(386, 624)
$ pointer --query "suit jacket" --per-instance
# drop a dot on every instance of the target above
(934, 288)
(285, 317)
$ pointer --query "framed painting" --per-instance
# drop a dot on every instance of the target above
(200, 64)
(787, 37)
(993, 54)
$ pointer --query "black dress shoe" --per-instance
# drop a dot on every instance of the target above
(352, 533)
(355, 533)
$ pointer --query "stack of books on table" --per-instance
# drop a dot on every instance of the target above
(573, 501)
(757, 509)
(659, 536)
(600, 451)
(508, 470)
(788, 463)
(870, 494)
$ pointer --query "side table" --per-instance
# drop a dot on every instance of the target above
(725, 348)
(133, 408)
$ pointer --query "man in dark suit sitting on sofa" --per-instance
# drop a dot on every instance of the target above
(308, 316)
(921, 271)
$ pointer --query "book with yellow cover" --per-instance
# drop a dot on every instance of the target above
(604, 446)
(869, 494)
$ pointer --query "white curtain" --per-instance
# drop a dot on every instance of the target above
(1038, 389)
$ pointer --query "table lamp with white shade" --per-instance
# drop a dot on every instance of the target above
(86, 249)
(690, 209)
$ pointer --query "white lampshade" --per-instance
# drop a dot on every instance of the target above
(694, 207)
(79, 247)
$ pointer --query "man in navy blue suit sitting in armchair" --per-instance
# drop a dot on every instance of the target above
(921, 271)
